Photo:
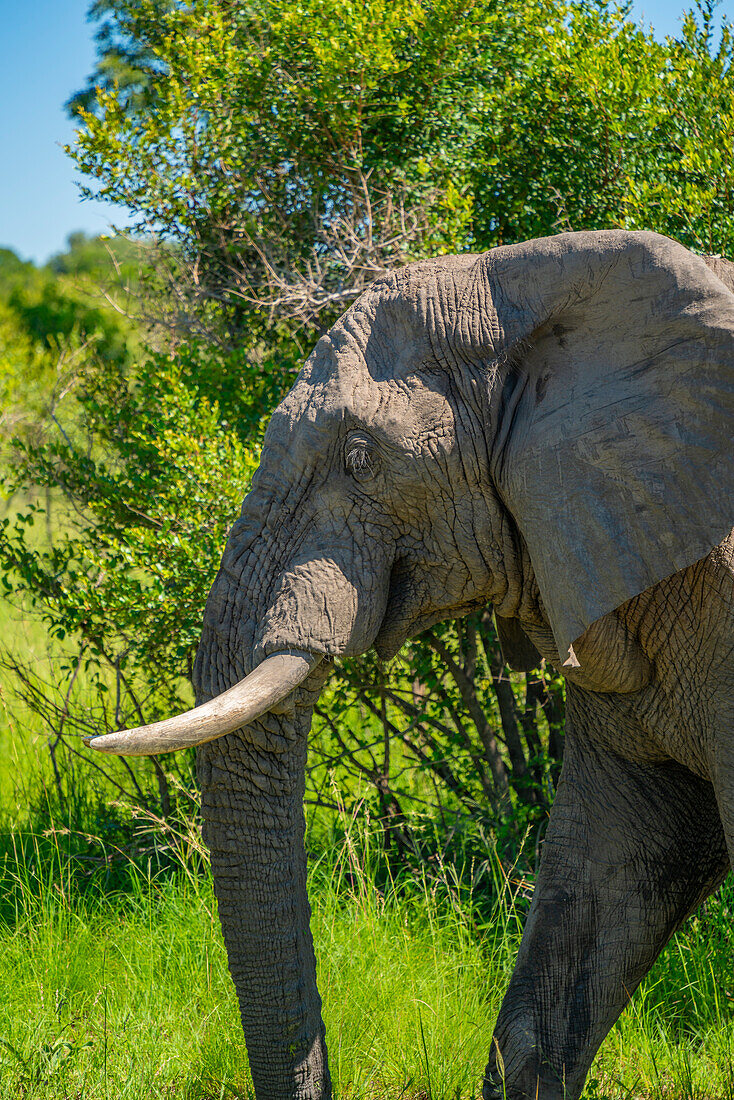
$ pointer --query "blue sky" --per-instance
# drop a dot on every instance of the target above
(46, 52)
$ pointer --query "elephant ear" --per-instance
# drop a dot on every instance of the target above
(611, 394)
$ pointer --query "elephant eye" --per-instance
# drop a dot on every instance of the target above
(360, 458)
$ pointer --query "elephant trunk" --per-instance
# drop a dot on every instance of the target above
(294, 589)
(252, 785)
(252, 806)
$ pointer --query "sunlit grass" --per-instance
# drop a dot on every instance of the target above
(114, 984)
(129, 996)
(108, 994)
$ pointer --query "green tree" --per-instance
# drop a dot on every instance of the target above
(295, 150)
(275, 158)
(52, 317)
(278, 156)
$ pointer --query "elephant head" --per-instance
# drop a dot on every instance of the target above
(532, 428)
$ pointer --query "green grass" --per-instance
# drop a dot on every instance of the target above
(107, 994)
(128, 996)
(114, 984)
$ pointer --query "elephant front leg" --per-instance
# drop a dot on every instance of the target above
(630, 851)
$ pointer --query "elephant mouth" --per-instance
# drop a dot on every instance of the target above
(270, 686)
(263, 690)
(410, 611)
(405, 598)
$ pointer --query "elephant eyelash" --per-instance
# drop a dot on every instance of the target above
(360, 461)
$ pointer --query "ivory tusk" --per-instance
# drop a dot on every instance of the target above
(258, 693)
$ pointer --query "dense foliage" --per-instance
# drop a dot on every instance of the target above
(51, 318)
(294, 150)
(278, 156)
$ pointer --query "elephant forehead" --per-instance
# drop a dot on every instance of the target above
(403, 411)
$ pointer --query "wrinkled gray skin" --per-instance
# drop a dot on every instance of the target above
(546, 428)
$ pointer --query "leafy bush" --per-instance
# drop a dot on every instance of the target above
(277, 157)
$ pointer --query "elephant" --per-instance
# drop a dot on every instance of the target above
(544, 428)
